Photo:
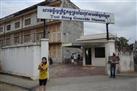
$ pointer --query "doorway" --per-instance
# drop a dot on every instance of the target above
(88, 56)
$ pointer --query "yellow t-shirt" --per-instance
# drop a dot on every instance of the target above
(43, 74)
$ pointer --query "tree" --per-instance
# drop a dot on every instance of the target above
(122, 44)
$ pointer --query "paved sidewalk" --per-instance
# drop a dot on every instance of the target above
(56, 71)
(7, 87)
(84, 83)
(128, 74)
(21, 82)
(93, 83)
(62, 75)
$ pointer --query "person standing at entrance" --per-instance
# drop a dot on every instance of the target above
(43, 74)
(114, 61)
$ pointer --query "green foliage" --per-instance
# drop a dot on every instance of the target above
(122, 44)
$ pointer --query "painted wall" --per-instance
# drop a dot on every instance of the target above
(126, 62)
(109, 49)
(23, 60)
(97, 61)
(20, 60)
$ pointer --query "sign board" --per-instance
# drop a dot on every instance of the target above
(58, 13)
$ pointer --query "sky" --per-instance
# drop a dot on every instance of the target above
(124, 12)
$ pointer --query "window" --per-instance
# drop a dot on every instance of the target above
(16, 39)
(27, 38)
(27, 21)
(39, 20)
(39, 36)
(1, 41)
(99, 52)
(8, 27)
(8, 40)
(1, 29)
(17, 25)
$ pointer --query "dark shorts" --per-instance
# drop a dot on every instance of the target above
(42, 82)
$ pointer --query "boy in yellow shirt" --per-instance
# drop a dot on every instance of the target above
(43, 74)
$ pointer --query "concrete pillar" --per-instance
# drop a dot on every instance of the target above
(45, 50)
(109, 49)
(84, 61)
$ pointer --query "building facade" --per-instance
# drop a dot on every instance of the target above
(23, 27)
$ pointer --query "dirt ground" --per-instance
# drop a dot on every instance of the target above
(71, 70)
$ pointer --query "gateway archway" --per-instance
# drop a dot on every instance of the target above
(59, 13)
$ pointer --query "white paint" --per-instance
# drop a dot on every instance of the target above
(23, 60)
(97, 61)
(58, 13)
(126, 63)
(109, 49)
(84, 61)
(19, 60)
(44, 48)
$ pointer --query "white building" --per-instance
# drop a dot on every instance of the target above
(96, 49)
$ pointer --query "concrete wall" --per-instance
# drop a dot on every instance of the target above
(126, 62)
(97, 61)
(20, 60)
(23, 60)
(72, 30)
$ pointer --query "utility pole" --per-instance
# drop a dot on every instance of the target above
(45, 31)
(107, 31)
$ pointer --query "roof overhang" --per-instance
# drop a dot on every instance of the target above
(72, 45)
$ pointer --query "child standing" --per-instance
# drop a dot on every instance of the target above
(43, 74)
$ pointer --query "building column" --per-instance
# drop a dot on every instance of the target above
(109, 49)
(45, 50)
(84, 61)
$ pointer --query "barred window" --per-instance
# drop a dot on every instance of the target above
(39, 20)
(39, 36)
(17, 25)
(7, 40)
(100, 52)
(27, 21)
(1, 29)
(8, 27)
(27, 38)
(16, 39)
(1, 41)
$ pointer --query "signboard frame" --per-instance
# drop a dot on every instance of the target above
(59, 13)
